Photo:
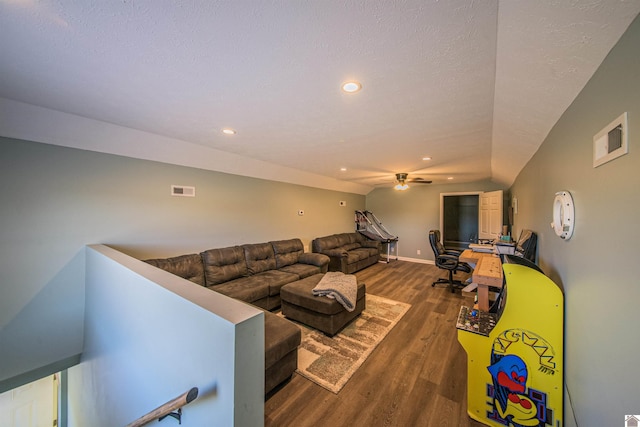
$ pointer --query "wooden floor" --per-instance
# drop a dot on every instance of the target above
(415, 377)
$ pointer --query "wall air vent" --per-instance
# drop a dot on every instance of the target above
(611, 142)
(183, 191)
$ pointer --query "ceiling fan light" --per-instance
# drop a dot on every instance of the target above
(401, 187)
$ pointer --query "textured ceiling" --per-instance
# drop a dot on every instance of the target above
(476, 85)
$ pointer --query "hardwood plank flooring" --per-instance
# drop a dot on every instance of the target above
(415, 377)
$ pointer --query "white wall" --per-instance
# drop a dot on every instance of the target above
(598, 267)
(151, 336)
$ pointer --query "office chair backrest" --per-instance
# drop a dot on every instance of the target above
(526, 245)
(434, 240)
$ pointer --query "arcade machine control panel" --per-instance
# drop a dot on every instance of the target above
(477, 321)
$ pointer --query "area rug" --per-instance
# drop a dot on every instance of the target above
(330, 362)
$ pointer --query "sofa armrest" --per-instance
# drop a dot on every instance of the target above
(336, 252)
(319, 260)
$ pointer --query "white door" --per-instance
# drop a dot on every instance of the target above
(31, 405)
(490, 221)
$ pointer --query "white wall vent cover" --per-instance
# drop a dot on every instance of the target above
(611, 142)
(183, 191)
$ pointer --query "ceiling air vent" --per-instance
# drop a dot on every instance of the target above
(183, 191)
(610, 142)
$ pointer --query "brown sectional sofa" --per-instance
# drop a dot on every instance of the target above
(348, 252)
(254, 273)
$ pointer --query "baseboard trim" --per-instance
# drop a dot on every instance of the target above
(417, 260)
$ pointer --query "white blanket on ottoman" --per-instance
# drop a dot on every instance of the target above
(342, 287)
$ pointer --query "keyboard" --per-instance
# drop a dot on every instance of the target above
(476, 321)
(481, 247)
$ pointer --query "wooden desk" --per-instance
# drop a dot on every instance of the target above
(472, 257)
(488, 272)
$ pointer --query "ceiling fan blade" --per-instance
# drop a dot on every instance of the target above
(420, 181)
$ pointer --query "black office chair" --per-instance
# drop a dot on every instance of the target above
(447, 260)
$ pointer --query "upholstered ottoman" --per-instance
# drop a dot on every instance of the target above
(319, 312)
(282, 339)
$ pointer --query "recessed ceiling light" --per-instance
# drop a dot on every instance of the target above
(426, 158)
(229, 131)
(343, 169)
(450, 177)
(351, 87)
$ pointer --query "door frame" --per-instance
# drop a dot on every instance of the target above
(456, 193)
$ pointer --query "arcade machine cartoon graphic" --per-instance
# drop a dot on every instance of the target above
(515, 351)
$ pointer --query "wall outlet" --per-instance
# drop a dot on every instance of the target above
(342, 203)
(300, 212)
(418, 251)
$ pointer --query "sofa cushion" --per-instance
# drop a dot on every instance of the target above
(287, 252)
(302, 270)
(357, 255)
(222, 265)
(281, 337)
(324, 244)
(275, 279)
(186, 266)
(363, 253)
(247, 289)
(370, 251)
(344, 239)
(260, 257)
(351, 246)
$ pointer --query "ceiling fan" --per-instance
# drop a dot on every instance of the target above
(402, 181)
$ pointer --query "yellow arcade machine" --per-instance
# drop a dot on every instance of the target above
(515, 352)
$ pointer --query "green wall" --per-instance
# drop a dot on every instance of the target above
(598, 267)
(412, 213)
(56, 200)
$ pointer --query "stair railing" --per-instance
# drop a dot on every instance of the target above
(172, 408)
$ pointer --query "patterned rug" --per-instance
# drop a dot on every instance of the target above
(330, 362)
